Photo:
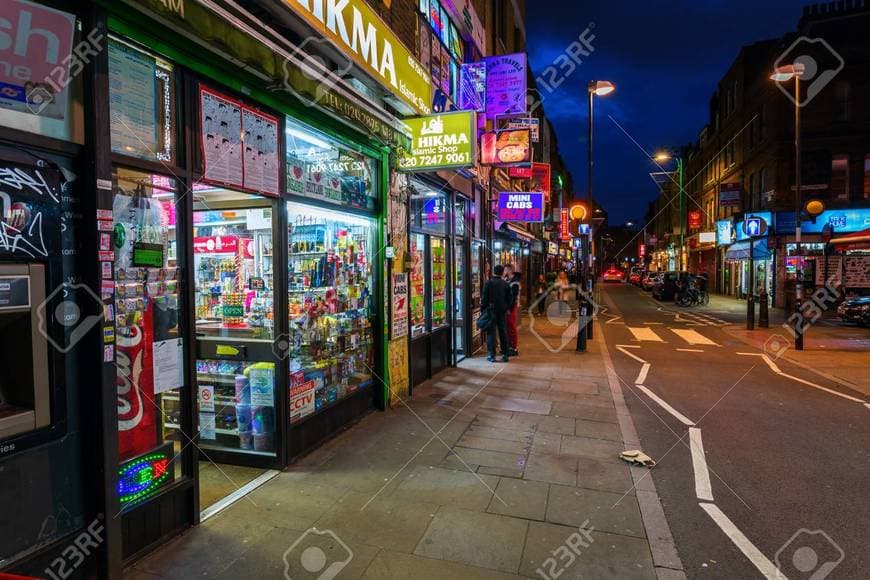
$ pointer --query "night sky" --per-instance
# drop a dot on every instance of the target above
(665, 59)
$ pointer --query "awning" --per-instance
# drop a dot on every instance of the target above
(853, 241)
(740, 250)
(513, 231)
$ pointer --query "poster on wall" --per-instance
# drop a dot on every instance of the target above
(302, 402)
(38, 40)
(504, 148)
(397, 364)
(221, 138)
(133, 101)
(261, 162)
(856, 272)
(505, 84)
(729, 194)
(399, 300)
(540, 179)
(137, 420)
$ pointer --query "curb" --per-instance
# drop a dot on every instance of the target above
(666, 560)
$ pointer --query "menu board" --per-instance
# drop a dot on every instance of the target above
(505, 84)
(221, 138)
(261, 161)
(399, 314)
(857, 272)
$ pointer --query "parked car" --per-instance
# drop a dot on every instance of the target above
(665, 287)
(855, 310)
(635, 276)
(648, 279)
(613, 274)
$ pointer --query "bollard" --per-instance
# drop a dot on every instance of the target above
(590, 288)
(750, 311)
(763, 320)
(581, 334)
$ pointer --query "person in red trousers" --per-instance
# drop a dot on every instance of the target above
(513, 314)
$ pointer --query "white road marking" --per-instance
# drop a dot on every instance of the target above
(693, 336)
(641, 376)
(627, 346)
(867, 405)
(765, 566)
(690, 350)
(614, 319)
(654, 323)
(628, 354)
(699, 462)
(750, 354)
(643, 333)
(779, 371)
(680, 417)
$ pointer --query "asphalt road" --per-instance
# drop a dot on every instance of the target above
(781, 455)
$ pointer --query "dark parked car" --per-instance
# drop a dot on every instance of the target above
(855, 310)
(648, 280)
(665, 287)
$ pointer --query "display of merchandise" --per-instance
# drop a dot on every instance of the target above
(331, 343)
(238, 398)
(418, 285)
(439, 282)
(233, 276)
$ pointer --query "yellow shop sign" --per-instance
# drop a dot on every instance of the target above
(440, 141)
(358, 31)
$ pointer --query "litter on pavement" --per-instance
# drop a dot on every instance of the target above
(637, 457)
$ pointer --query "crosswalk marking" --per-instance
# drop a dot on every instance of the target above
(643, 333)
(692, 336)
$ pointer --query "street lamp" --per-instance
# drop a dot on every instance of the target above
(784, 74)
(661, 158)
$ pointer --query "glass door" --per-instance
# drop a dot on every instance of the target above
(235, 366)
(459, 288)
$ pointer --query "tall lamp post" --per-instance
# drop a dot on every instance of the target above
(784, 74)
(599, 89)
(662, 157)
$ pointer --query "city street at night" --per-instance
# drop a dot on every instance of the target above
(390, 289)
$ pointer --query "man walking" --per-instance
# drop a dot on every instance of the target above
(494, 300)
(513, 313)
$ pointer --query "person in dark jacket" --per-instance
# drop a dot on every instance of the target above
(495, 299)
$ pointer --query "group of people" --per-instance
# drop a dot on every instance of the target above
(500, 302)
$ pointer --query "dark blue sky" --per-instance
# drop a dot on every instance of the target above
(665, 58)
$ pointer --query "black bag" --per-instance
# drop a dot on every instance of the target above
(485, 321)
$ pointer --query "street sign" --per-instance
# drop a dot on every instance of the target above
(754, 226)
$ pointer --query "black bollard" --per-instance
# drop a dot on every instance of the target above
(750, 311)
(581, 332)
(590, 289)
(763, 320)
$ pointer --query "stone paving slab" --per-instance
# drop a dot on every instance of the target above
(608, 512)
(397, 566)
(473, 538)
(520, 499)
(441, 486)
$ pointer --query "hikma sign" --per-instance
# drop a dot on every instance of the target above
(444, 141)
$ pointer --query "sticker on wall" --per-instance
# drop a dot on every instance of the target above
(107, 289)
(108, 334)
(106, 270)
(105, 225)
(105, 242)
(104, 214)
(107, 256)
(109, 353)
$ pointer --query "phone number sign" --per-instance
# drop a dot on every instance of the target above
(521, 206)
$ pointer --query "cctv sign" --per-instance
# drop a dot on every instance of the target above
(521, 206)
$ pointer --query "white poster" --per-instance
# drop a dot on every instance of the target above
(206, 398)
(221, 136)
(400, 305)
(261, 151)
(302, 400)
(857, 272)
(132, 101)
(207, 426)
(168, 365)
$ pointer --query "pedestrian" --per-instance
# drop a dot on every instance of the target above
(513, 312)
(494, 301)
(562, 287)
(541, 294)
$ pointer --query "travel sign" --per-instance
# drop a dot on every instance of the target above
(521, 206)
(440, 142)
(358, 32)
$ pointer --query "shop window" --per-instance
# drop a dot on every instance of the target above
(438, 300)
(149, 343)
(331, 284)
(321, 168)
(418, 285)
(840, 176)
(141, 103)
(429, 209)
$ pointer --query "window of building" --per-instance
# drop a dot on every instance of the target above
(448, 53)
(840, 176)
(843, 101)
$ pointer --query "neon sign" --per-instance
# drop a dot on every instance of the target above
(143, 476)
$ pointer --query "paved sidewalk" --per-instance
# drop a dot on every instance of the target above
(488, 472)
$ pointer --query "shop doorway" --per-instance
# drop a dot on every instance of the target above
(233, 280)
